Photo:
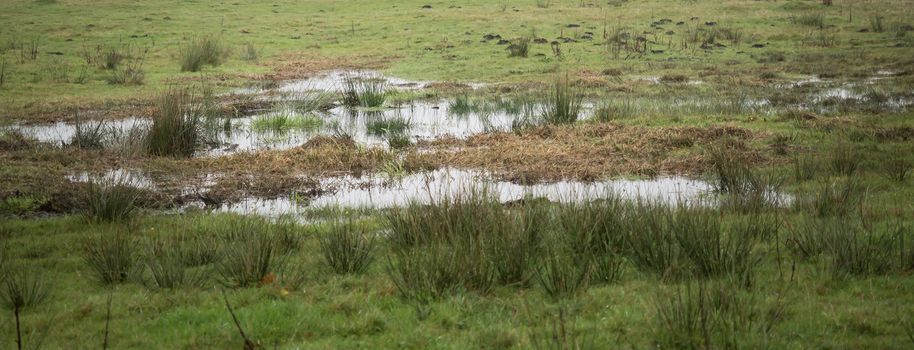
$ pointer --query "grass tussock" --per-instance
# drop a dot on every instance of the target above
(714, 316)
(466, 242)
(348, 248)
(850, 247)
(876, 22)
(594, 234)
(844, 159)
(676, 242)
(111, 255)
(253, 252)
(110, 199)
(519, 47)
(369, 92)
(399, 141)
(515, 251)
(650, 244)
(171, 262)
(563, 102)
(436, 271)
(176, 124)
(860, 251)
(249, 52)
(840, 197)
(743, 189)
(89, 136)
(560, 333)
(127, 74)
(563, 274)
(897, 169)
(713, 251)
(806, 167)
(199, 51)
(308, 101)
(816, 20)
(22, 289)
(461, 106)
(614, 110)
(382, 126)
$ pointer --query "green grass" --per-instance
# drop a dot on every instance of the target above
(308, 101)
(380, 125)
(166, 32)
(562, 102)
(283, 121)
(436, 274)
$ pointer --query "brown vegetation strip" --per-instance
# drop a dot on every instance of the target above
(321, 156)
(303, 65)
(583, 152)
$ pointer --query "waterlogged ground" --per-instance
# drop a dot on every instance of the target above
(423, 120)
(424, 188)
(429, 119)
(382, 191)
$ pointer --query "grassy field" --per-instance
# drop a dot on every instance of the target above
(444, 42)
(797, 114)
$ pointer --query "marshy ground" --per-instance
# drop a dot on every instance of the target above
(443, 174)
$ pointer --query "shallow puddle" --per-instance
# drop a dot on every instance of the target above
(335, 81)
(63, 132)
(378, 192)
(419, 120)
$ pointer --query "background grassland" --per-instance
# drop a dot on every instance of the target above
(443, 42)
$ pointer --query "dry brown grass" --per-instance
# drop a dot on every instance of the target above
(302, 65)
(321, 156)
(582, 152)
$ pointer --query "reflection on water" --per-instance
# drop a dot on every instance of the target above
(426, 120)
(62, 132)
